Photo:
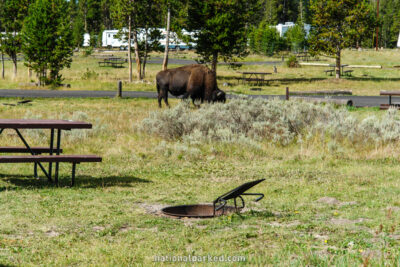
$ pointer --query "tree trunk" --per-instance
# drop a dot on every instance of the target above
(14, 59)
(2, 66)
(146, 51)
(137, 57)
(130, 49)
(338, 67)
(165, 62)
(214, 62)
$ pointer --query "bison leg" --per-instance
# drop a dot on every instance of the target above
(162, 94)
(159, 96)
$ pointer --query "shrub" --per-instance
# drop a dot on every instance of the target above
(89, 74)
(292, 62)
(281, 122)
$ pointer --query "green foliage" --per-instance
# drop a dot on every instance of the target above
(88, 51)
(389, 22)
(12, 14)
(292, 62)
(221, 28)
(250, 120)
(89, 74)
(47, 36)
(296, 38)
(266, 40)
(338, 25)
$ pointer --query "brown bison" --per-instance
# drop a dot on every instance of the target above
(196, 81)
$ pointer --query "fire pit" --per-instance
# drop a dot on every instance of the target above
(218, 207)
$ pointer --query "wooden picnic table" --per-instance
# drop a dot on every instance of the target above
(391, 103)
(55, 127)
(254, 76)
(342, 66)
(115, 62)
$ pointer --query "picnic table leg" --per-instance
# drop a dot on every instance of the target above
(390, 100)
(32, 153)
(73, 173)
(58, 153)
(51, 150)
(35, 174)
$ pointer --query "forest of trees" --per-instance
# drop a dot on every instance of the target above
(234, 25)
(94, 16)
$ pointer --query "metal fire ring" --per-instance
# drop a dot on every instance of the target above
(218, 207)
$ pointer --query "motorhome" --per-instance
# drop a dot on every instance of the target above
(283, 28)
(111, 39)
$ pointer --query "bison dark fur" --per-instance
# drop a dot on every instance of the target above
(194, 81)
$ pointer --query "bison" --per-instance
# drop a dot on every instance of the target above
(194, 81)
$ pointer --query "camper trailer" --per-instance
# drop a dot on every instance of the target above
(110, 39)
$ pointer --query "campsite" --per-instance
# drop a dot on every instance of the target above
(269, 165)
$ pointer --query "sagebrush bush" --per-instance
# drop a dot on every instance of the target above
(246, 120)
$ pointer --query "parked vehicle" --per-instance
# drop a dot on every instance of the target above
(111, 39)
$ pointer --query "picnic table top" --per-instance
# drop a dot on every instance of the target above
(254, 72)
(43, 124)
(389, 92)
(342, 65)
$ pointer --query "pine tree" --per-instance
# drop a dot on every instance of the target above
(12, 15)
(338, 25)
(221, 28)
(47, 39)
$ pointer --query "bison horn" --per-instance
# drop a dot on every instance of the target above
(219, 93)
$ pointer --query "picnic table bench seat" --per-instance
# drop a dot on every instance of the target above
(74, 159)
(329, 71)
(348, 72)
(36, 150)
(114, 64)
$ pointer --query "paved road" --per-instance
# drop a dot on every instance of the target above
(359, 101)
(177, 61)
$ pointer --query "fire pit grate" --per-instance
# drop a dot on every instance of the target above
(218, 207)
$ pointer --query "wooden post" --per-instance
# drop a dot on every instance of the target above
(2, 65)
(119, 89)
(287, 93)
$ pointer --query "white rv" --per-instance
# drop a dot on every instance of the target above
(283, 28)
(398, 41)
(86, 40)
(109, 39)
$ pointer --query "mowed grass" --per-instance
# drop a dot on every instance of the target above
(321, 206)
(364, 81)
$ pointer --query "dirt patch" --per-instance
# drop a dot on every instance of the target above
(52, 233)
(334, 201)
(126, 228)
(154, 209)
(98, 228)
(286, 224)
(342, 221)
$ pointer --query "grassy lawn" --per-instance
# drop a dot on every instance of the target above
(85, 74)
(321, 207)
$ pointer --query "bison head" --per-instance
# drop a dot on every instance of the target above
(218, 96)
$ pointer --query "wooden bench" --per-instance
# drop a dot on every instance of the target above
(347, 72)
(391, 104)
(34, 150)
(114, 64)
(329, 71)
(74, 159)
